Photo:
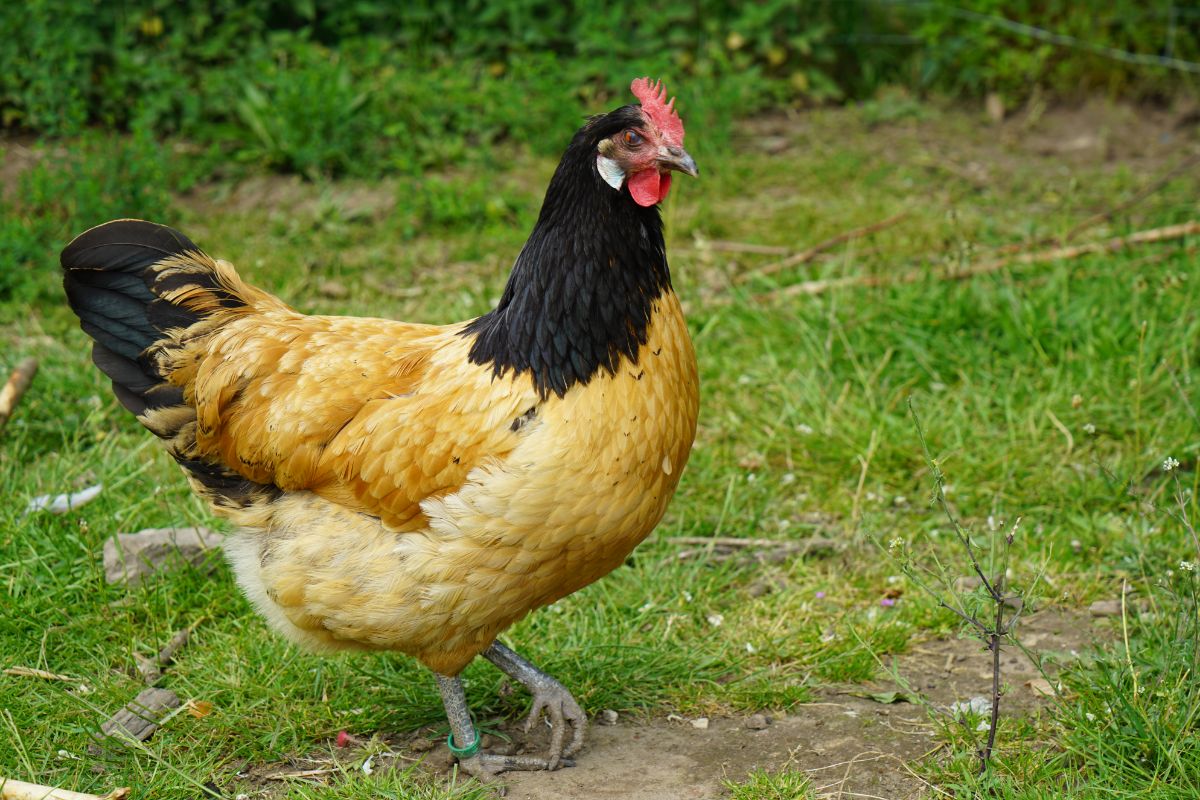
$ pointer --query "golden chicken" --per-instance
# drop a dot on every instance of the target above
(420, 488)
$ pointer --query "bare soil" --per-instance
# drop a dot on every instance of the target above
(848, 743)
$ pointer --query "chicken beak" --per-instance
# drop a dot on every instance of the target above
(676, 158)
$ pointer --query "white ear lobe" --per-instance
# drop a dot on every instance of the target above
(611, 171)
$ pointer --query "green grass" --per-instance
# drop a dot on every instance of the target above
(803, 431)
(763, 785)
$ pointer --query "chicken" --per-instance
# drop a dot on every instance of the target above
(420, 488)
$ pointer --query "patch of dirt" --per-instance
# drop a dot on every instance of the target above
(849, 744)
(291, 194)
(843, 743)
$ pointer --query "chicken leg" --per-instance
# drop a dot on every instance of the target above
(549, 697)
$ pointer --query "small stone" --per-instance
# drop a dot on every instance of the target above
(333, 289)
(1105, 608)
(132, 557)
(757, 722)
(700, 723)
(994, 105)
(422, 745)
(609, 717)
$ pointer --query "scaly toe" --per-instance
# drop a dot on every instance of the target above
(560, 708)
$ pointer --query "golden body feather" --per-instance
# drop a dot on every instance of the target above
(427, 503)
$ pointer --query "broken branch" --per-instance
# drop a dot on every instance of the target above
(805, 256)
(151, 668)
(995, 265)
(20, 790)
(30, 672)
(1168, 176)
(15, 388)
(721, 246)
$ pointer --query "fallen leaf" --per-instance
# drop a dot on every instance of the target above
(199, 708)
(62, 503)
(1041, 687)
(887, 698)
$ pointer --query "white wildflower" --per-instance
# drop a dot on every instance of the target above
(895, 544)
(1089, 429)
(1090, 716)
(751, 649)
(806, 430)
(1170, 464)
(1187, 566)
(716, 620)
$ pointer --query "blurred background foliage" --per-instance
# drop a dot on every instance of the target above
(209, 91)
(372, 86)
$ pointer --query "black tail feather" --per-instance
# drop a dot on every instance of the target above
(114, 284)
(108, 276)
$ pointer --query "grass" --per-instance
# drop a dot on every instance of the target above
(803, 431)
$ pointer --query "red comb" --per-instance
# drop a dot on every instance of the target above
(658, 109)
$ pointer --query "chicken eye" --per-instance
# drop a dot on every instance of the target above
(633, 138)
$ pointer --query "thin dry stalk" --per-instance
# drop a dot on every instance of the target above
(15, 388)
(805, 256)
(20, 790)
(30, 672)
(1112, 245)
(1000, 628)
(1154, 186)
(720, 246)
(151, 668)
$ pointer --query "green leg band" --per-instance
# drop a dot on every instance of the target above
(463, 752)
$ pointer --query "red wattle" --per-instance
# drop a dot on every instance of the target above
(644, 187)
(649, 186)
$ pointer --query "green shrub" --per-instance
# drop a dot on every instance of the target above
(326, 87)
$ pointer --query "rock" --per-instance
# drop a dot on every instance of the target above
(700, 723)
(609, 717)
(131, 557)
(757, 722)
(1105, 608)
(333, 289)
(994, 104)
(138, 720)
(422, 744)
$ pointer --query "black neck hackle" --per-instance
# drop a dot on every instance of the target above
(583, 288)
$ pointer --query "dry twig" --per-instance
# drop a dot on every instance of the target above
(151, 668)
(30, 672)
(772, 550)
(722, 246)
(805, 256)
(20, 790)
(18, 382)
(995, 265)
(1147, 190)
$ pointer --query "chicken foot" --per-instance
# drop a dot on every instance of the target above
(549, 697)
(464, 737)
